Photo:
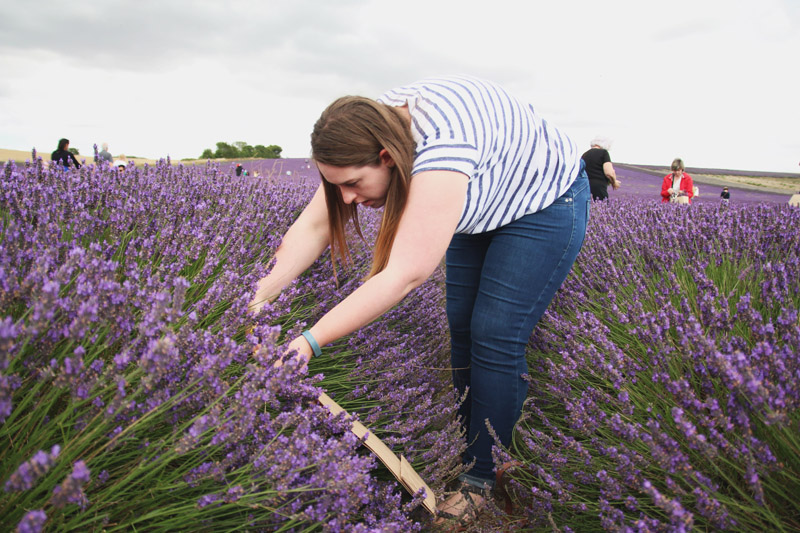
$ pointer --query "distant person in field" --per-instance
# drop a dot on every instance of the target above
(239, 169)
(725, 194)
(677, 187)
(121, 163)
(463, 170)
(105, 155)
(63, 155)
(600, 169)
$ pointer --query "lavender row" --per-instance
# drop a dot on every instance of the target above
(131, 395)
(665, 376)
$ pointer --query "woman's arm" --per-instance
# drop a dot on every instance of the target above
(687, 185)
(666, 187)
(611, 175)
(435, 202)
(303, 243)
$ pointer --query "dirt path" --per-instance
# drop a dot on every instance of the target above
(754, 183)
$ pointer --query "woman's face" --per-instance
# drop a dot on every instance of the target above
(677, 173)
(365, 185)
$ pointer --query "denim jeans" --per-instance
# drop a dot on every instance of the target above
(499, 284)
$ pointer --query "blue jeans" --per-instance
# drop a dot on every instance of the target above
(499, 284)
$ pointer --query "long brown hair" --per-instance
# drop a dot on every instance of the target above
(352, 131)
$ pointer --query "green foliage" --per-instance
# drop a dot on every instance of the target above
(268, 152)
(225, 151)
(74, 151)
(241, 149)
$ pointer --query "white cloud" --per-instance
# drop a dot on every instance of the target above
(712, 82)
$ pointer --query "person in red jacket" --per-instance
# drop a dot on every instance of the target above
(677, 185)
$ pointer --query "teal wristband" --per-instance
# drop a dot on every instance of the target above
(313, 342)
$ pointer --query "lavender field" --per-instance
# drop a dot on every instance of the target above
(665, 377)
(640, 182)
(645, 183)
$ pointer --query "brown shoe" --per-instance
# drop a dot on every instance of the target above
(461, 509)
(501, 484)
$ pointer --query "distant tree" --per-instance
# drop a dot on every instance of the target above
(241, 149)
(261, 151)
(226, 151)
(74, 151)
(273, 151)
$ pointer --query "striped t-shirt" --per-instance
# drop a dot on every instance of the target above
(517, 163)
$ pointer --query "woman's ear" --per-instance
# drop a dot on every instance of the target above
(386, 158)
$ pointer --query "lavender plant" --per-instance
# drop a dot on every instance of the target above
(664, 377)
(131, 396)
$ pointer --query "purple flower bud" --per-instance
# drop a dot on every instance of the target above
(32, 522)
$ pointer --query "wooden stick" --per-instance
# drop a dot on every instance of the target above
(399, 467)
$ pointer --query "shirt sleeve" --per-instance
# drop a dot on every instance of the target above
(438, 131)
(446, 154)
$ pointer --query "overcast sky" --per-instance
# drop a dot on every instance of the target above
(712, 81)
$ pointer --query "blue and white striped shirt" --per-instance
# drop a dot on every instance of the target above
(517, 163)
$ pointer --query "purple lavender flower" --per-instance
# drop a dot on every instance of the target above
(71, 489)
(8, 334)
(8, 384)
(32, 522)
(29, 472)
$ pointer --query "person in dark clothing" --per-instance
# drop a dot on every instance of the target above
(239, 169)
(725, 194)
(599, 169)
(63, 155)
(105, 155)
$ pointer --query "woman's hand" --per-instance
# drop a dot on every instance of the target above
(302, 349)
(303, 243)
(262, 296)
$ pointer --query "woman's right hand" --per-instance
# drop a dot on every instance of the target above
(303, 243)
(266, 292)
(259, 301)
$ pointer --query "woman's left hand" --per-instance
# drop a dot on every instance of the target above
(301, 347)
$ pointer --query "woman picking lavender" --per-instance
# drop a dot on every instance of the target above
(677, 187)
(462, 169)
